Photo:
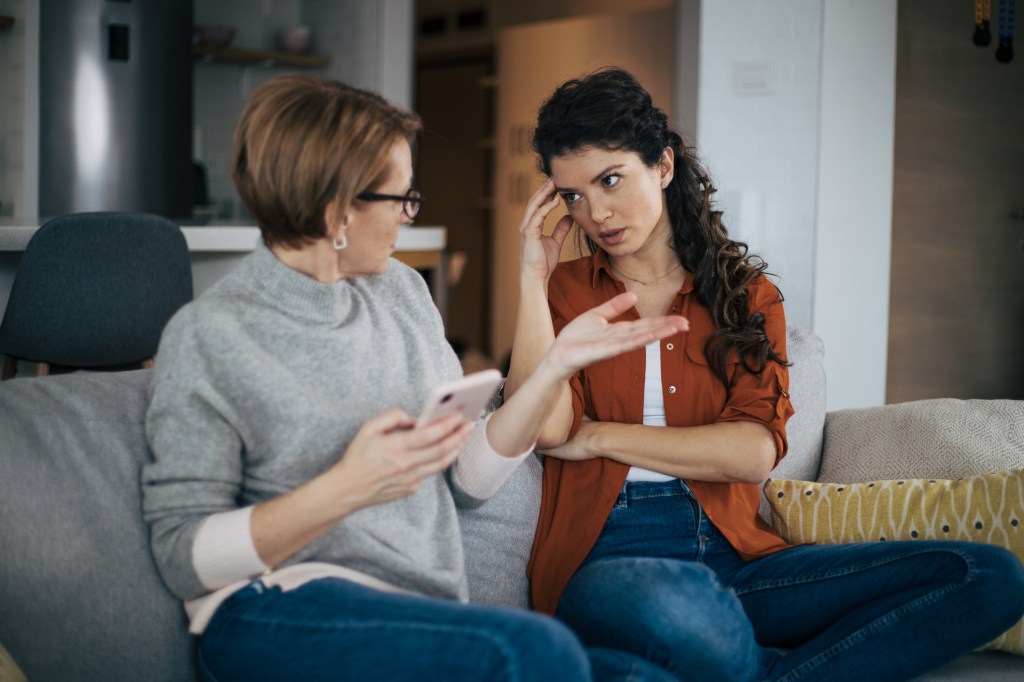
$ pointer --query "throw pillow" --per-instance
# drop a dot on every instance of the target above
(985, 508)
(9, 670)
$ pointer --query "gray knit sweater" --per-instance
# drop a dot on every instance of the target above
(260, 385)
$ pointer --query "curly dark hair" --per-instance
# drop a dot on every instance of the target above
(610, 110)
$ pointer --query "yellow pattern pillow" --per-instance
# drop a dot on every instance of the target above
(9, 670)
(986, 508)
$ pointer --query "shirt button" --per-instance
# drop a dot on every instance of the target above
(669, 346)
(671, 389)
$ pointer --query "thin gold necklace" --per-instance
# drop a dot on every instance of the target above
(638, 281)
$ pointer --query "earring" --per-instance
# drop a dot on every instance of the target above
(339, 245)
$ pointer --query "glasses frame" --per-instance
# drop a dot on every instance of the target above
(412, 201)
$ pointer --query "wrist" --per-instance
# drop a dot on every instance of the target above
(532, 283)
(339, 493)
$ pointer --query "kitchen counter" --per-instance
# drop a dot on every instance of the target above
(216, 249)
(232, 237)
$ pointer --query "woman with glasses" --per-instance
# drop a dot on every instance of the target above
(306, 521)
(649, 539)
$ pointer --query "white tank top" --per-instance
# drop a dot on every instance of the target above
(654, 409)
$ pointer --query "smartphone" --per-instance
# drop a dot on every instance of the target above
(468, 395)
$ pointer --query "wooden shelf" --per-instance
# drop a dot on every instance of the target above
(266, 58)
(6, 21)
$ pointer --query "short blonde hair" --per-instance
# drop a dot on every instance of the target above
(303, 142)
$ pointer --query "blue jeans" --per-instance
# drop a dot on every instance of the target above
(662, 583)
(333, 629)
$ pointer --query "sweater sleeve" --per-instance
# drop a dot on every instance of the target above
(195, 469)
(223, 551)
(479, 471)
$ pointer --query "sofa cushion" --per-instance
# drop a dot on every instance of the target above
(939, 438)
(498, 536)
(986, 508)
(79, 593)
(807, 393)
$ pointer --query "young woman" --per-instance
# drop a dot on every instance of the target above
(309, 525)
(649, 539)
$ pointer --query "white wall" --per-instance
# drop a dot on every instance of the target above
(854, 219)
(795, 103)
(757, 131)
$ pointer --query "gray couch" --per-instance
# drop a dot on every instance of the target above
(80, 598)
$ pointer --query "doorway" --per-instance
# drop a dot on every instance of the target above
(454, 168)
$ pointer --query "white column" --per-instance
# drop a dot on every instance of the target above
(854, 214)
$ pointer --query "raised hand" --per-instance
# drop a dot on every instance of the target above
(593, 336)
(539, 252)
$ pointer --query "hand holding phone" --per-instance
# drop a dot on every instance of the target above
(467, 395)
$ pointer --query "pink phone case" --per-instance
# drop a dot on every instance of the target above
(468, 395)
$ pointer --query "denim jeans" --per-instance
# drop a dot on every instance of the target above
(663, 583)
(333, 629)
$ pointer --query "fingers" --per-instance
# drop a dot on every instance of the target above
(440, 456)
(433, 432)
(588, 344)
(538, 207)
(614, 307)
(544, 194)
(647, 329)
(388, 421)
(432, 459)
(561, 230)
(639, 335)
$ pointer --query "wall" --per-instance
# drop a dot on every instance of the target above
(19, 102)
(795, 102)
(958, 265)
(854, 216)
(757, 122)
(369, 43)
(12, 77)
(533, 59)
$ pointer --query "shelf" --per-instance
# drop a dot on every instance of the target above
(6, 21)
(266, 58)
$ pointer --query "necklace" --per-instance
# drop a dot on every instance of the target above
(649, 282)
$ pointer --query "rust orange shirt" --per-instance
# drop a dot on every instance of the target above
(578, 496)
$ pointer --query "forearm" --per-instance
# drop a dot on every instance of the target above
(284, 525)
(533, 339)
(739, 451)
(239, 543)
(526, 417)
(534, 334)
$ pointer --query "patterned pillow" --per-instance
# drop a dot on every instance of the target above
(9, 670)
(985, 508)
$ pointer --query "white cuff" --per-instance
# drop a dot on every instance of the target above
(223, 551)
(480, 471)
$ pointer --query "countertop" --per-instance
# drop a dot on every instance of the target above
(228, 237)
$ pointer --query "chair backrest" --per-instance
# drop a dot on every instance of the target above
(96, 289)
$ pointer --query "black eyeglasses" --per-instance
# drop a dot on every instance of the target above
(412, 201)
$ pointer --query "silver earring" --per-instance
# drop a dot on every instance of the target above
(339, 245)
